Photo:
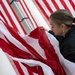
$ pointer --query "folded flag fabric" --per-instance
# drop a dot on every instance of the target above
(34, 54)
(35, 47)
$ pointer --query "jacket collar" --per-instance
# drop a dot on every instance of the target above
(72, 29)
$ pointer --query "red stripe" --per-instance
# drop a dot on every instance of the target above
(31, 49)
(43, 11)
(14, 51)
(3, 17)
(55, 4)
(29, 69)
(10, 18)
(18, 68)
(16, 17)
(14, 48)
(51, 61)
(30, 14)
(15, 35)
(73, 5)
(26, 13)
(19, 53)
(6, 47)
(64, 5)
(47, 5)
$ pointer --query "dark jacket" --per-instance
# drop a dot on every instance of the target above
(67, 44)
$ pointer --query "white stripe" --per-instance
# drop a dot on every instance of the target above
(35, 44)
(5, 65)
(73, 1)
(3, 12)
(28, 13)
(53, 41)
(24, 69)
(39, 19)
(68, 66)
(44, 7)
(51, 5)
(59, 4)
(12, 63)
(1, 18)
(46, 69)
(1, 35)
(22, 11)
(12, 39)
(35, 73)
(13, 17)
(70, 7)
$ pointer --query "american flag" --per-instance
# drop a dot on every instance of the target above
(47, 7)
(31, 55)
(20, 11)
(25, 53)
